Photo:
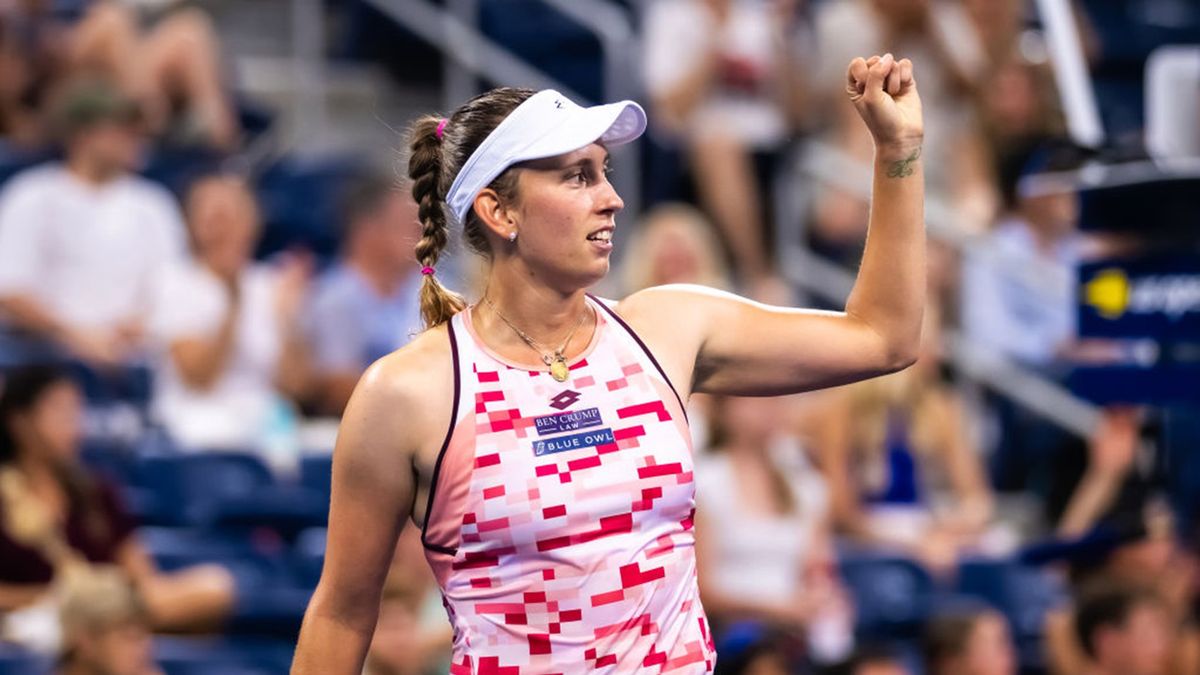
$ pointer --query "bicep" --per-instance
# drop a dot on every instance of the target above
(758, 350)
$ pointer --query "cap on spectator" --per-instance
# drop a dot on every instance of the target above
(85, 103)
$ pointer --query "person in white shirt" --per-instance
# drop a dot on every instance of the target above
(84, 242)
(228, 327)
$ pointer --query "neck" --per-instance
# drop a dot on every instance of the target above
(38, 474)
(546, 315)
(382, 276)
(88, 171)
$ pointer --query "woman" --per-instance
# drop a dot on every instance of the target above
(902, 468)
(764, 544)
(969, 642)
(57, 520)
(557, 508)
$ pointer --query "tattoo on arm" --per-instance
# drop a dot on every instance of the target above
(904, 167)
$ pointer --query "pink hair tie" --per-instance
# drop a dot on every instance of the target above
(427, 270)
(440, 128)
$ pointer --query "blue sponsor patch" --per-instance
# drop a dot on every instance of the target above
(567, 421)
(588, 439)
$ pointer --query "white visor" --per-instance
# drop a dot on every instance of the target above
(547, 124)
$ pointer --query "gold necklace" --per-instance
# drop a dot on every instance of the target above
(557, 362)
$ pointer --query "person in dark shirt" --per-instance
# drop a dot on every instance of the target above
(56, 517)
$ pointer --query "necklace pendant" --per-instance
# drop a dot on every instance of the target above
(559, 370)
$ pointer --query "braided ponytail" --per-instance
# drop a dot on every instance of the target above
(434, 160)
(438, 303)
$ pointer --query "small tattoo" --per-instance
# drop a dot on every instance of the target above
(903, 168)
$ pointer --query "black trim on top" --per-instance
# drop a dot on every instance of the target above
(437, 466)
(637, 338)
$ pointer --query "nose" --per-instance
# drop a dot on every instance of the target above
(609, 201)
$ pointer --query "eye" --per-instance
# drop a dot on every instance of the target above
(609, 171)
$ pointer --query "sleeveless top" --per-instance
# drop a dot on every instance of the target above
(559, 520)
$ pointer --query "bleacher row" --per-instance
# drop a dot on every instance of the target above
(228, 508)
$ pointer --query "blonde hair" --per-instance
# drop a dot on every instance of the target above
(654, 233)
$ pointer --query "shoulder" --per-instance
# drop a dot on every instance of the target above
(42, 180)
(419, 377)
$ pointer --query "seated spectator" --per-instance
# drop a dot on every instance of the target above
(1017, 295)
(57, 518)
(675, 244)
(902, 467)
(725, 80)
(950, 63)
(106, 630)
(367, 305)
(229, 326)
(969, 643)
(764, 547)
(169, 64)
(84, 243)
(877, 660)
(1124, 632)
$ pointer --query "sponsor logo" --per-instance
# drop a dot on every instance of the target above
(565, 400)
(1113, 294)
(587, 439)
(567, 421)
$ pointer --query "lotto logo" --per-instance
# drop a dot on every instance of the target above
(564, 400)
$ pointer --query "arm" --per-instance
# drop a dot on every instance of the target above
(743, 348)
(957, 453)
(372, 495)
(1111, 454)
(16, 596)
(201, 360)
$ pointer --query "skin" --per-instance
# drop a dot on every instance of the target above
(706, 341)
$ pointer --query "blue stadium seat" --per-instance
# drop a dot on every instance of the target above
(892, 594)
(17, 661)
(308, 556)
(209, 656)
(300, 203)
(554, 43)
(315, 473)
(1024, 594)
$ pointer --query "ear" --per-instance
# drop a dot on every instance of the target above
(499, 218)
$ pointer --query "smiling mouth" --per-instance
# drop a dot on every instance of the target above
(603, 236)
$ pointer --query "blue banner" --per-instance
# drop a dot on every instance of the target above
(1153, 297)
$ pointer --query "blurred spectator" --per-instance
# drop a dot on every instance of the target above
(674, 244)
(998, 24)
(412, 636)
(764, 545)
(84, 244)
(169, 65)
(902, 465)
(367, 305)
(56, 517)
(877, 660)
(750, 648)
(725, 78)
(949, 64)
(1018, 289)
(106, 630)
(229, 326)
(969, 643)
(1135, 553)
(1124, 632)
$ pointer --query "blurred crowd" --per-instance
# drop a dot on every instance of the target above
(916, 523)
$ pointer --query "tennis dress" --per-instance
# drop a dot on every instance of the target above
(559, 523)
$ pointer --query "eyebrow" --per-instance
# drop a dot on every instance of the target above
(550, 163)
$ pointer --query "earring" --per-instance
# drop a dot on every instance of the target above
(512, 236)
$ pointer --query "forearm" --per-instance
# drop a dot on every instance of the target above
(202, 361)
(331, 644)
(27, 314)
(677, 102)
(1092, 497)
(16, 596)
(889, 294)
(294, 372)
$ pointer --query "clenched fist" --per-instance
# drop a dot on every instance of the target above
(885, 94)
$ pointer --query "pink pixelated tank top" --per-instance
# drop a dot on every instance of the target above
(559, 522)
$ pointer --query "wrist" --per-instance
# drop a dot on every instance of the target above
(899, 149)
